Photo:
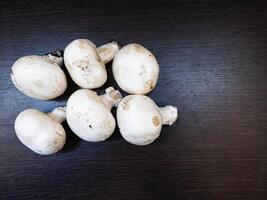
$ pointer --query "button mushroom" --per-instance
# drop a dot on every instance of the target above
(140, 120)
(88, 115)
(55, 57)
(86, 64)
(40, 77)
(40, 132)
(135, 69)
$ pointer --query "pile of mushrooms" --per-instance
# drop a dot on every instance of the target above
(88, 114)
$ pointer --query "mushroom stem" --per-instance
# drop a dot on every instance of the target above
(54, 57)
(169, 114)
(111, 98)
(108, 51)
(58, 114)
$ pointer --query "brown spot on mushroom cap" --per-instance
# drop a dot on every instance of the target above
(156, 120)
(138, 48)
(83, 65)
(125, 103)
(149, 84)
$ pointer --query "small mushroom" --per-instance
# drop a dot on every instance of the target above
(86, 63)
(55, 57)
(88, 115)
(140, 120)
(40, 132)
(40, 77)
(108, 51)
(135, 69)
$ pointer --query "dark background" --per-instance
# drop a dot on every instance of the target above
(213, 58)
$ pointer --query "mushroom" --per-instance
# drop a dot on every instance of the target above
(40, 132)
(140, 120)
(55, 57)
(108, 51)
(86, 63)
(88, 115)
(40, 77)
(135, 69)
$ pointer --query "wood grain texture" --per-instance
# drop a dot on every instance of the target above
(213, 58)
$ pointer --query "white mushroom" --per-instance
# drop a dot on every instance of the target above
(140, 120)
(135, 69)
(40, 132)
(86, 64)
(40, 77)
(88, 115)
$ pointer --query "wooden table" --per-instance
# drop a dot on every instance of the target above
(213, 59)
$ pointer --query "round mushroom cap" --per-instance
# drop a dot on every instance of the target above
(39, 132)
(88, 117)
(37, 78)
(84, 64)
(139, 119)
(135, 69)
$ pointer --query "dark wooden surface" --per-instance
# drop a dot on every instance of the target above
(213, 59)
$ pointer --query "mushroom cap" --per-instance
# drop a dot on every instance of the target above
(135, 69)
(84, 64)
(139, 119)
(37, 78)
(88, 117)
(39, 132)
